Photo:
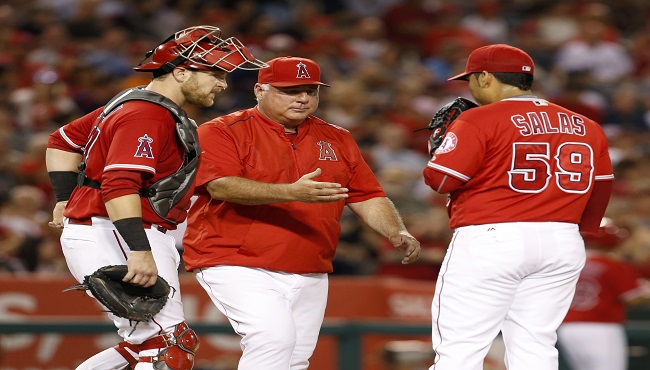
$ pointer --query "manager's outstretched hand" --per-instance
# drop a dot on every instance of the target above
(310, 191)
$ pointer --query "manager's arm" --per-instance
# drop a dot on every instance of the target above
(250, 192)
(381, 215)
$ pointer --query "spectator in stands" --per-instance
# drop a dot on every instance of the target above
(605, 61)
(449, 29)
(626, 109)
(45, 104)
(24, 228)
(487, 22)
(356, 253)
(407, 21)
(578, 96)
(392, 150)
(368, 41)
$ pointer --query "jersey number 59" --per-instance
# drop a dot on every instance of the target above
(532, 167)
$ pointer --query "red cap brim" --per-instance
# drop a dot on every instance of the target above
(462, 76)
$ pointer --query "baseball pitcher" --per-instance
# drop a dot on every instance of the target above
(524, 176)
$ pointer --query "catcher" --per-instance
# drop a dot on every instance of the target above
(123, 175)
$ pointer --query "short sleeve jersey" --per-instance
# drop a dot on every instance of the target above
(522, 159)
(293, 237)
(137, 136)
(603, 287)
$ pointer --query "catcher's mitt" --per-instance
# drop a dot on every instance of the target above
(443, 118)
(125, 300)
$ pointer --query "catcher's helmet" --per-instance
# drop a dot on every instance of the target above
(608, 236)
(199, 47)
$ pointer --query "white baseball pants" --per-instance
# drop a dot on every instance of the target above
(277, 314)
(518, 278)
(87, 248)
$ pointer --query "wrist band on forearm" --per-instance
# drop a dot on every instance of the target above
(132, 231)
(63, 183)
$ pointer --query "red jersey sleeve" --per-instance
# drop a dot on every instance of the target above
(363, 183)
(604, 170)
(217, 163)
(74, 136)
(140, 138)
(119, 183)
(461, 152)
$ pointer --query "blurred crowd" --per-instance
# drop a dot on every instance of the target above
(387, 61)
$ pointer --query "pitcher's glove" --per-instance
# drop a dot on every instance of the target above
(125, 300)
(443, 118)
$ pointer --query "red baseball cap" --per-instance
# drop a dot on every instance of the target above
(290, 71)
(497, 58)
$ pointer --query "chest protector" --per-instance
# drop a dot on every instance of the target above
(169, 196)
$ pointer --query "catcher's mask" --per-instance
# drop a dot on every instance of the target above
(199, 48)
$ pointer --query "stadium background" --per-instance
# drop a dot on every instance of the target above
(387, 62)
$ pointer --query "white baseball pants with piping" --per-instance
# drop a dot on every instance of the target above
(87, 248)
(277, 314)
(518, 278)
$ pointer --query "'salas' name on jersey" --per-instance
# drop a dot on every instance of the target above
(536, 123)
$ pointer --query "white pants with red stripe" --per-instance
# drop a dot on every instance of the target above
(87, 248)
(277, 314)
(517, 278)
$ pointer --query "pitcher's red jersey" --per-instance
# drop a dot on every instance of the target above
(522, 159)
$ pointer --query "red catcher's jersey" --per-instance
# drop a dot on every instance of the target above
(293, 237)
(603, 287)
(522, 160)
(136, 136)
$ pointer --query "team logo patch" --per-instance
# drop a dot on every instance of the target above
(327, 153)
(448, 143)
(302, 71)
(144, 149)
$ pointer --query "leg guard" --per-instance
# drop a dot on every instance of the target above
(176, 350)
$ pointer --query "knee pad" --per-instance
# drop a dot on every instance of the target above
(173, 358)
(179, 354)
(186, 338)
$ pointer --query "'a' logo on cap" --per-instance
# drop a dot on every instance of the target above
(526, 68)
(302, 71)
